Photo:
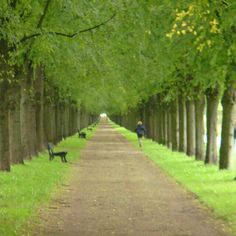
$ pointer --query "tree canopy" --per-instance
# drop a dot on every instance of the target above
(112, 55)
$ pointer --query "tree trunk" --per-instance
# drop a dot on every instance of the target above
(67, 103)
(71, 117)
(200, 128)
(146, 120)
(182, 124)
(53, 122)
(228, 125)
(25, 116)
(165, 126)
(4, 129)
(48, 121)
(58, 122)
(150, 106)
(212, 108)
(15, 125)
(174, 125)
(39, 88)
(4, 121)
(157, 121)
(31, 115)
(190, 127)
(76, 120)
(169, 130)
(162, 125)
(32, 129)
(63, 119)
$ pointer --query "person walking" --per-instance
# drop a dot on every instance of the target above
(140, 131)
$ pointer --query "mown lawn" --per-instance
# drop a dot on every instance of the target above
(216, 189)
(28, 186)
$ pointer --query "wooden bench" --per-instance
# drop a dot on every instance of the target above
(53, 154)
(81, 134)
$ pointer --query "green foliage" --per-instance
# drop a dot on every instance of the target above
(149, 47)
(212, 187)
(29, 186)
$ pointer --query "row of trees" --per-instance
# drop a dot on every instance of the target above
(33, 115)
(39, 97)
(195, 61)
(185, 126)
(115, 56)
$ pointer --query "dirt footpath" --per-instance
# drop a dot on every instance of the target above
(116, 190)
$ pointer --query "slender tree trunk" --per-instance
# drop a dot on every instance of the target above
(212, 108)
(66, 118)
(63, 119)
(162, 125)
(39, 88)
(58, 123)
(120, 120)
(61, 115)
(182, 125)
(82, 119)
(190, 128)
(15, 125)
(45, 121)
(174, 125)
(200, 128)
(76, 120)
(48, 122)
(169, 130)
(134, 120)
(157, 119)
(4, 121)
(227, 135)
(24, 118)
(4, 129)
(71, 117)
(150, 117)
(32, 129)
(146, 120)
(53, 122)
(166, 126)
(31, 114)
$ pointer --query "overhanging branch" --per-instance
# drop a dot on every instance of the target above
(68, 35)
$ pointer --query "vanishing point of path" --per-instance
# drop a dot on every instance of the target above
(116, 190)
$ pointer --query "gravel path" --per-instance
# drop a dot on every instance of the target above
(116, 190)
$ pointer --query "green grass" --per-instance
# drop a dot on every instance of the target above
(29, 186)
(216, 189)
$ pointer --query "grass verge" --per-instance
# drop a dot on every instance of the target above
(216, 189)
(28, 186)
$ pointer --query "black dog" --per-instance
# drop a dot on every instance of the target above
(52, 154)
